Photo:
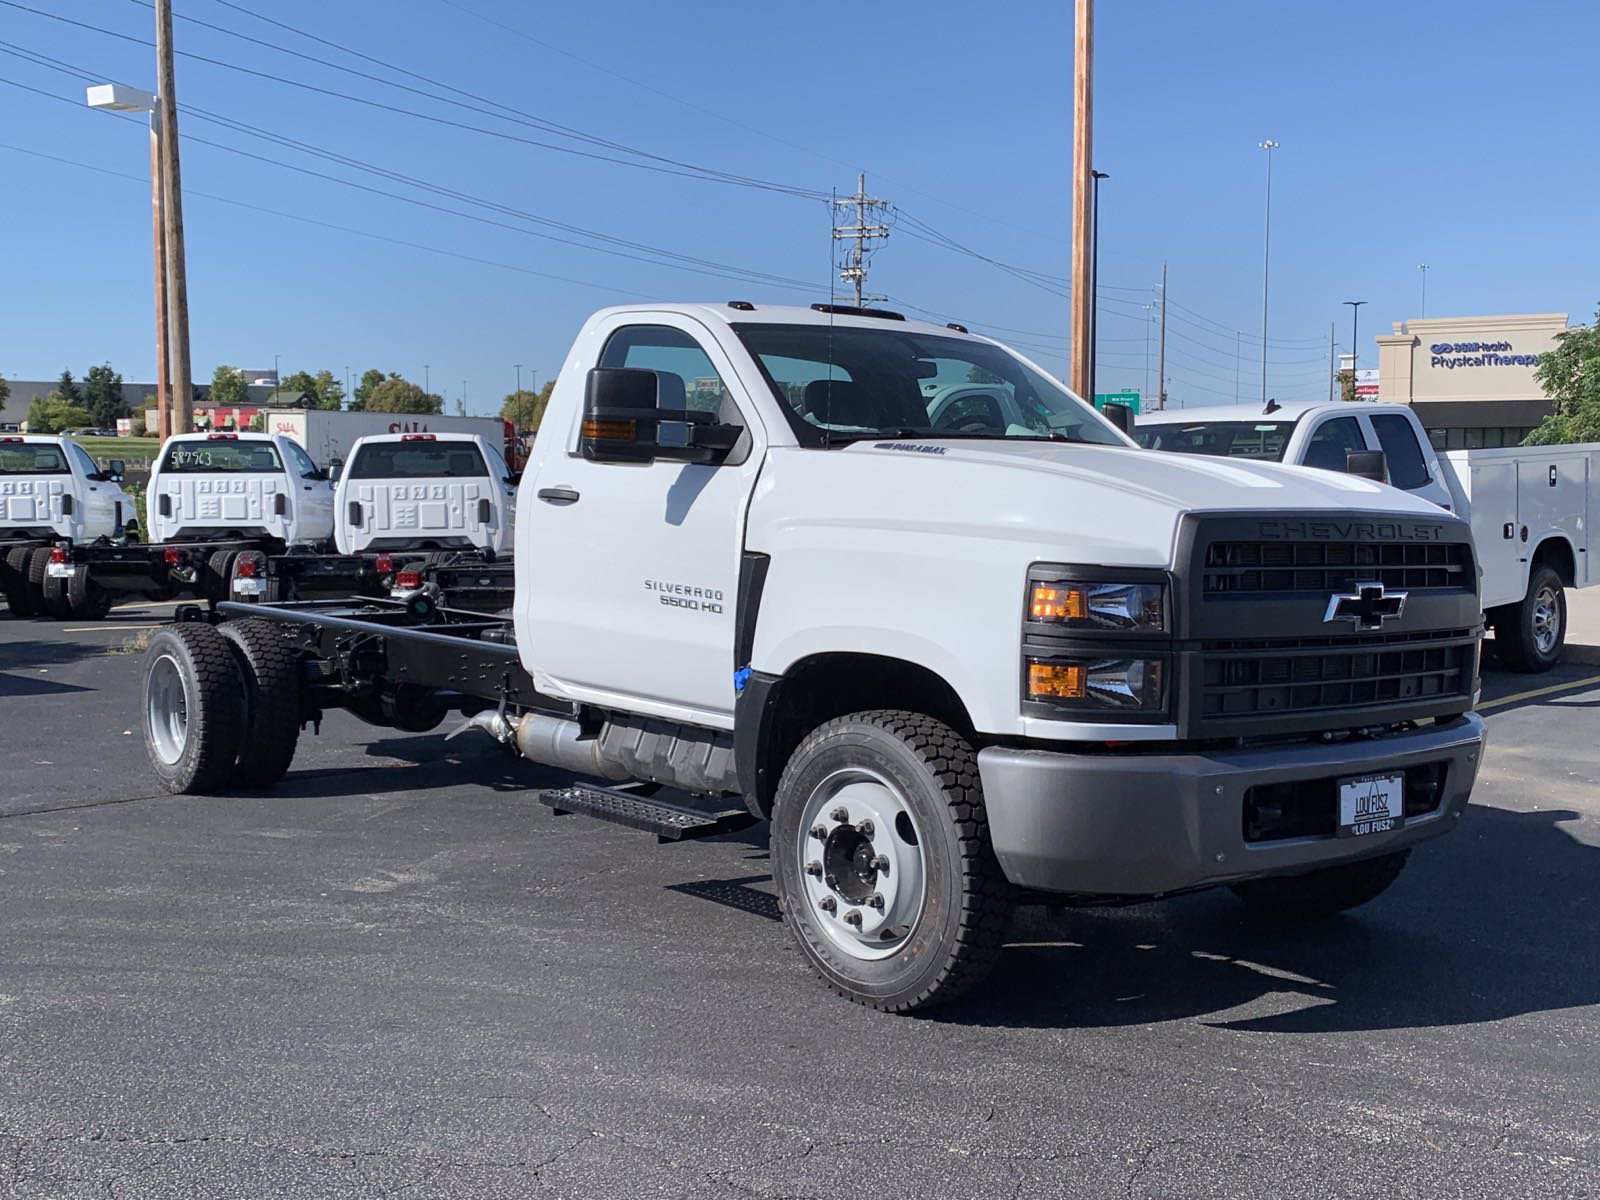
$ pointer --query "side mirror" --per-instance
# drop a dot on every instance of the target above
(115, 469)
(334, 468)
(1121, 416)
(514, 479)
(1367, 464)
(623, 422)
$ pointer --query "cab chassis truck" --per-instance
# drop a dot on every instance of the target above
(917, 649)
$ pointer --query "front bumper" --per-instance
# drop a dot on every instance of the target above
(1152, 824)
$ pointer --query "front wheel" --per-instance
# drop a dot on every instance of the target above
(1323, 893)
(880, 846)
(1530, 633)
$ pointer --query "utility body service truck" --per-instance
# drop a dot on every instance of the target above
(1530, 507)
(958, 663)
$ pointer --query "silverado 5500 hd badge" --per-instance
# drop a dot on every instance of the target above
(683, 595)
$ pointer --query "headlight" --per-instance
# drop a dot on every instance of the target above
(1098, 683)
(1095, 605)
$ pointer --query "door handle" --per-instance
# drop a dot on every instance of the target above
(558, 495)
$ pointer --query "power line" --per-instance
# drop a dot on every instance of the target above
(685, 170)
(619, 247)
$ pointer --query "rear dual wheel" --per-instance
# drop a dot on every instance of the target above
(221, 706)
(49, 595)
(14, 581)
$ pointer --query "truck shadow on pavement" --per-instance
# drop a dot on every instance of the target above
(1495, 921)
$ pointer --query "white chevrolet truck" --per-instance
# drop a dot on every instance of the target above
(51, 491)
(956, 664)
(1530, 507)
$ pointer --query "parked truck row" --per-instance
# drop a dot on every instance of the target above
(249, 516)
(755, 569)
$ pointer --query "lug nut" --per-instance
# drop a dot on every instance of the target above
(827, 904)
(866, 829)
(814, 868)
(840, 814)
(881, 864)
(819, 833)
(853, 917)
(875, 901)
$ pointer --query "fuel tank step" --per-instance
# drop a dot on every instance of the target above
(669, 821)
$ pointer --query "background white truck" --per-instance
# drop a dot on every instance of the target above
(1530, 507)
(425, 491)
(751, 569)
(328, 435)
(50, 490)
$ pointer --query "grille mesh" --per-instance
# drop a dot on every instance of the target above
(1238, 566)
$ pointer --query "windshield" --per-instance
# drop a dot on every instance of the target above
(221, 454)
(839, 384)
(31, 458)
(1224, 439)
(417, 460)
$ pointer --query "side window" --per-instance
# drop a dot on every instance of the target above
(688, 380)
(303, 465)
(1407, 466)
(81, 456)
(1332, 441)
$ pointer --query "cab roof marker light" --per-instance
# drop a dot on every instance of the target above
(419, 437)
(222, 437)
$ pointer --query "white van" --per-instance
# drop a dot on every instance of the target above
(425, 491)
(208, 486)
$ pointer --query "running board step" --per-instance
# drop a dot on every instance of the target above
(668, 821)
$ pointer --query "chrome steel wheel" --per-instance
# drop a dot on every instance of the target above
(1546, 619)
(862, 862)
(167, 709)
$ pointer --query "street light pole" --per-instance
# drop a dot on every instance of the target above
(1094, 281)
(519, 381)
(1266, 263)
(1423, 267)
(117, 97)
(1355, 346)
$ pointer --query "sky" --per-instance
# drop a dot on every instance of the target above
(1456, 133)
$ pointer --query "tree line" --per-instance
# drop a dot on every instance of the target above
(95, 401)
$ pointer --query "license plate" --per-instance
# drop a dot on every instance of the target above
(1371, 804)
(59, 570)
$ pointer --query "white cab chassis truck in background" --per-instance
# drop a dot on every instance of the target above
(958, 658)
(218, 505)
(52, 491)
(414, 512)
(1530, 507)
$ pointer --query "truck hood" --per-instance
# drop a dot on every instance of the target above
(1110, 504)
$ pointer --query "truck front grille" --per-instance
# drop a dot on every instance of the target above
(1260, 566)
(1243, 679)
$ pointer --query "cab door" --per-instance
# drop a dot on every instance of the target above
(94, 496)
(1413, 467)
(312, 492)
(628, 573)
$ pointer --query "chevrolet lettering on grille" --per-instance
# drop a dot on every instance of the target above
(1368, 607)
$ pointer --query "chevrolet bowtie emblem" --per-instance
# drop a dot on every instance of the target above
(1368, 607)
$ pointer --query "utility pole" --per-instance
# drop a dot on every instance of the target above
(1161, 356)
(1149, 319)
(1333, 363)
(157, 208)
(1082, 196)
(1238, 340)
(862, 231)
(172, 216)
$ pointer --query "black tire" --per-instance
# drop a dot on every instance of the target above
(965, 902)
(48, 595)
(14, 579)
(194, 754)
(270, 667)
(86, 598)
(219, 574)
(1324, 893)
(1531, 633)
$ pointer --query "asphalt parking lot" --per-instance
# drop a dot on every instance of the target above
(398, 975)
